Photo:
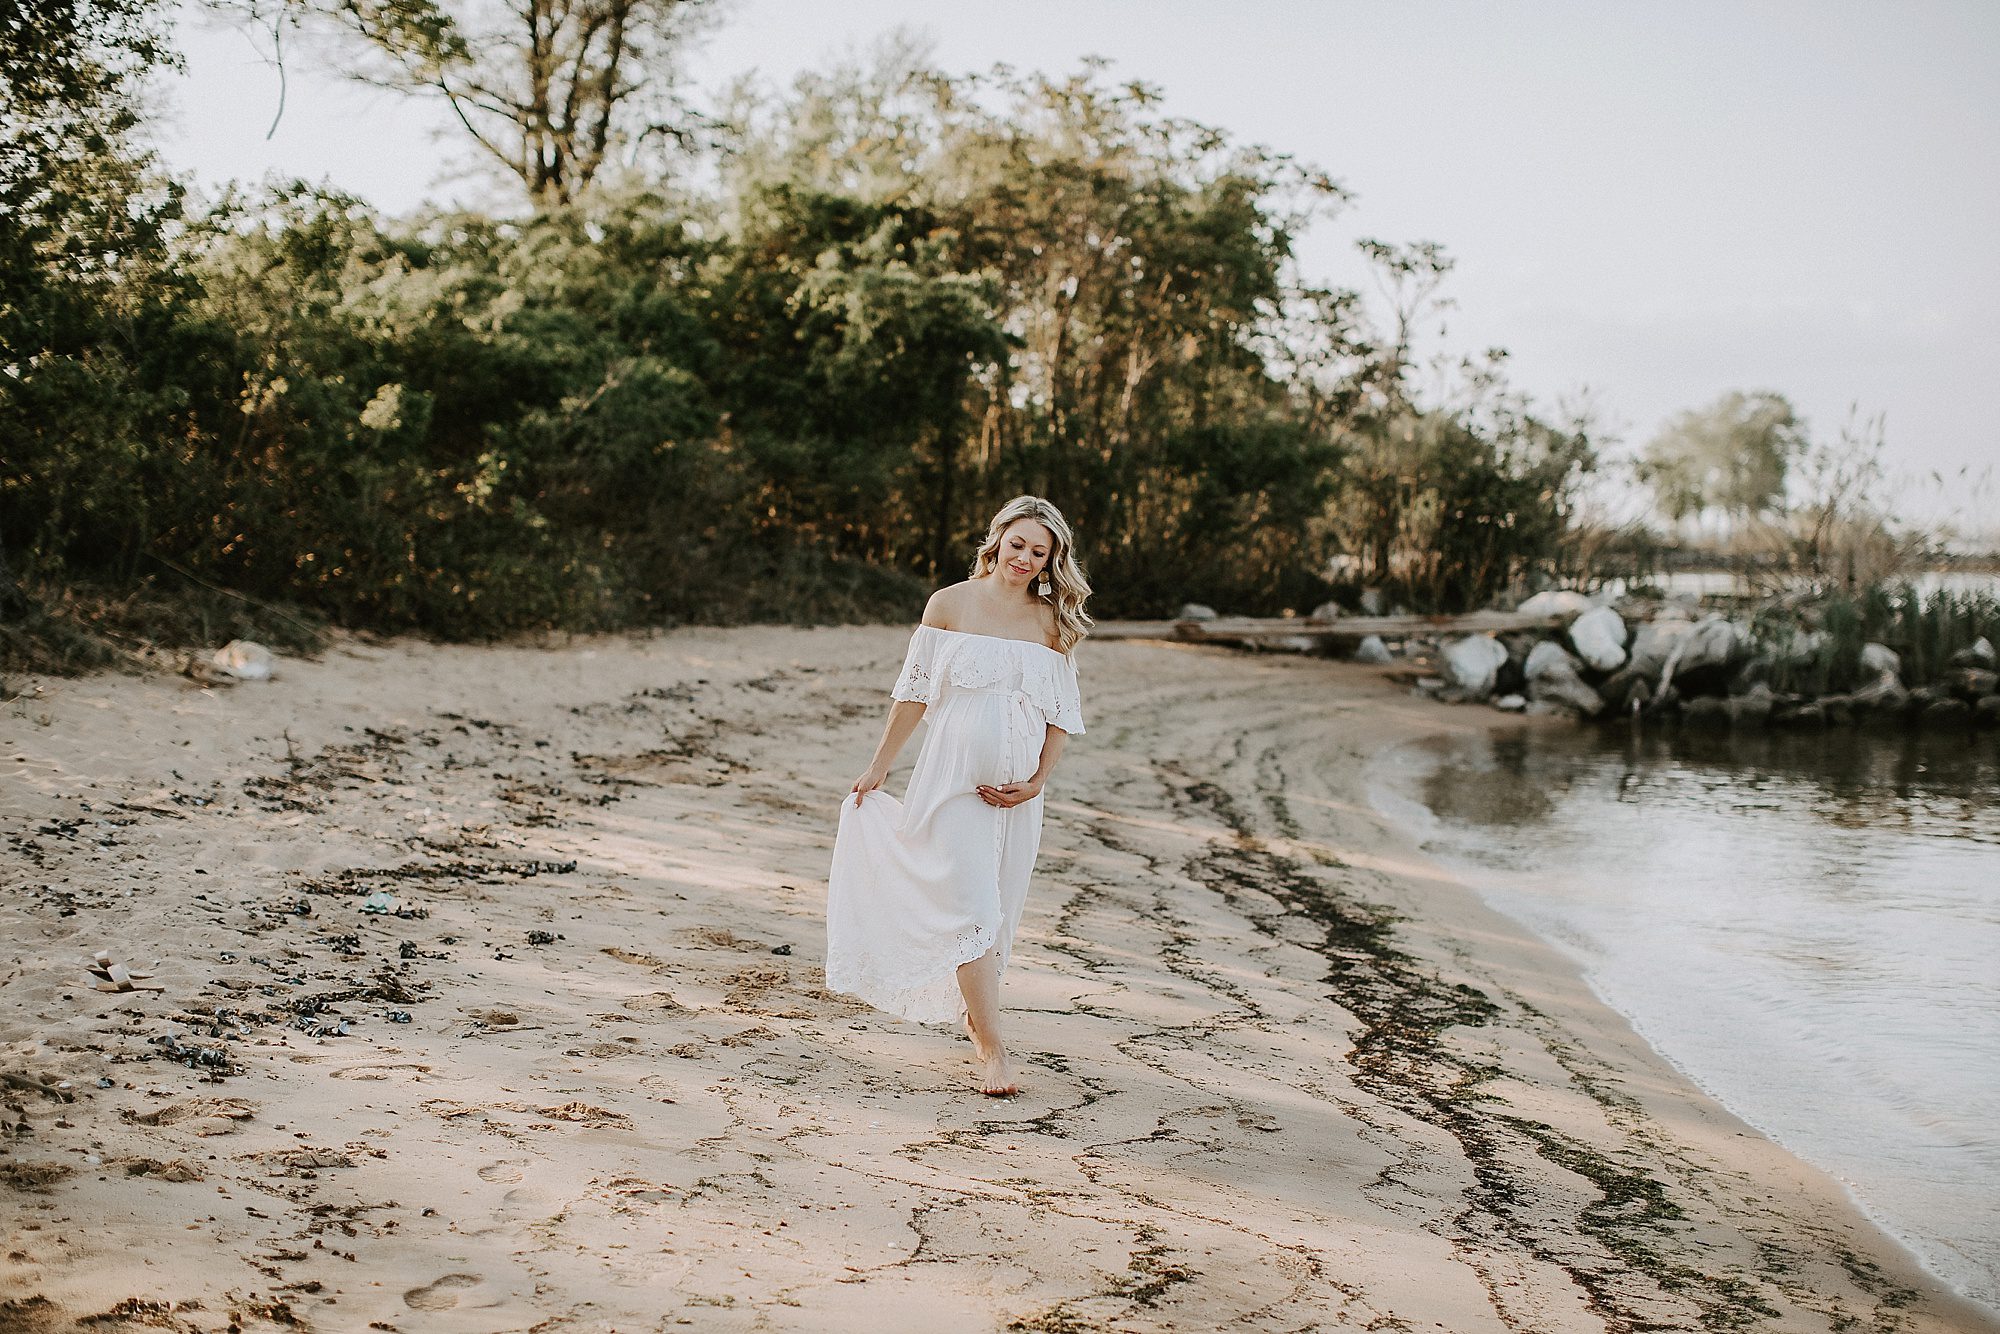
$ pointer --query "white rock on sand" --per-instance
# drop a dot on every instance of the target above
(621, 1099)
(1598, 636)
(1979, 653)
(1656, 643)
(1711, 645)
(1371, 651)
(245, 660)
(1880, 660)
(1554, 679)
(1562, 602)
(1472, 664)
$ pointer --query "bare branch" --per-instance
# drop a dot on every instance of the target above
(550, 88)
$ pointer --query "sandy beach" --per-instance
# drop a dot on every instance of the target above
(580, 1073)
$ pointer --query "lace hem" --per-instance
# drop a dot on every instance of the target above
(934, 1000)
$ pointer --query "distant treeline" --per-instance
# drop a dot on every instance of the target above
(795, 392)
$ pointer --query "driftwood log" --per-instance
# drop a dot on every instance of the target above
(1345, 628)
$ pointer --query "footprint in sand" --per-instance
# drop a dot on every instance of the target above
(654, 1002)
(441, 1295)
(499, 1172)
(206, 1116)
(496, 1018)
(525, 1203)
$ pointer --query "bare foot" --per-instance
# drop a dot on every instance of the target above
(997, 1077)
(996, 1074)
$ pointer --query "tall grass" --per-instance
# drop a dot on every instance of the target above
(1816, 649)
(68, 629)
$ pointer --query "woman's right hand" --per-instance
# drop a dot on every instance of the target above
(876, 775)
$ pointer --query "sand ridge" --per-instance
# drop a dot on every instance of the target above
(581, 1073)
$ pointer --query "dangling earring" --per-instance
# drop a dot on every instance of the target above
(1044, 588)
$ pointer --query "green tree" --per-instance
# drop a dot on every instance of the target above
(1729, 458)
(797, 395)
(1141, 266)
(86, 279)
(853, 341)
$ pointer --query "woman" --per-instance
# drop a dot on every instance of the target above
(925, 893)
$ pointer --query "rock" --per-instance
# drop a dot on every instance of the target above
(1922, 697)
(1973, 683)
(245, 660)
(1802, 716)
(1374, 602)
(1562, 602)
(1979, 653)
(1327, 611)
(1947, 713)
(1879, 660)
(1801, 648)
(1885, 694)
(1292, 644)
(1987, 711)
(1838, 709)
(1704, 658)
(1472, 663)
(1640, 698)
(1430, 685)
(1616, 689)
(1706, 711)
(1753, 709)
(1753, 673)
(1511, 703)
(1547, 657)
(1655, 643)
(1598, 636)
(1553, 678)
(1373, 652)
(1195, 611)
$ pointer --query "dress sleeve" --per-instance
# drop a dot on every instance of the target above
(1068, 713)
(917, 682)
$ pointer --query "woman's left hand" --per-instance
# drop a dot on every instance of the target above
(1010, 794)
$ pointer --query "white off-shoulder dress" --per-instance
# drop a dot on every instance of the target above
(936, 880)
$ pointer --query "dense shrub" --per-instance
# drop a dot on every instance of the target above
(798, 397)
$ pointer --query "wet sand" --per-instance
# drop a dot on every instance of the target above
(1280, 1071)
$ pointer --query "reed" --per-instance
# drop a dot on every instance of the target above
(1815, 648)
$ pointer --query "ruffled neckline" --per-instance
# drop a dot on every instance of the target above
(998, 639)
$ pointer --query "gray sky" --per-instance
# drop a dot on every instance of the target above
(1657, 202)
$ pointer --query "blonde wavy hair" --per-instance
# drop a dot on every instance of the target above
(1068, 589)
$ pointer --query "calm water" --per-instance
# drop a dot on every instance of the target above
(1809, 927)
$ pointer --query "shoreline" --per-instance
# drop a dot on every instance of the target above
(1397, 779)
(1393, 789)
(1280, 1068)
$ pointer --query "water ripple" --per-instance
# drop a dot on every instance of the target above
(1809, 926)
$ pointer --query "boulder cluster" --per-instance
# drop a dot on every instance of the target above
(1704, 668)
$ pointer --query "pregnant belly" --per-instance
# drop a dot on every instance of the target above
(979, 739)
